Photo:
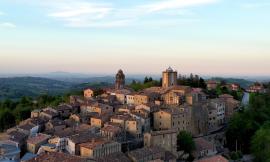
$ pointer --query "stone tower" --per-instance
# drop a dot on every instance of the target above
(120, 80)
(169, 78)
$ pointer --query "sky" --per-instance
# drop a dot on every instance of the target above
(206, 37)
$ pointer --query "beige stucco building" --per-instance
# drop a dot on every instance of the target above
(99, 148)
(141, 98)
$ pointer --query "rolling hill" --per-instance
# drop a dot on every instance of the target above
(15, 88)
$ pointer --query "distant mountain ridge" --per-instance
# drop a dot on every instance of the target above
(16, 87)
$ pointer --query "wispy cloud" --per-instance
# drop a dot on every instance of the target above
(7, 25)
(84, 13)
(93, 11)
(255, 5)
(87, 14)
(175, 4)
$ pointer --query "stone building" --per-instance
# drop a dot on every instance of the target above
(112, 132)
(131, 125)
(173, 98)
(166, 139)
(120, 80)
(99, 108)
(204, 148)
(35, 142)
(88, 93)
(231, 105)
(172, 118)
(141, 98)
(195, 96)
(99, 120)
(198, 115)
(98, 148)
(169, 78)
(151, 154)
(219, 106)
(56, 156)
(114, 157)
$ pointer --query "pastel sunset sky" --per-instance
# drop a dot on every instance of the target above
(209, 37)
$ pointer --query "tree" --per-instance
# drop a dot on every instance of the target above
(185, 142)
(21, 113)
(150, 79)
(244, 124)
(260, 144)
(145, 80)
(7, 119)
(202, 83)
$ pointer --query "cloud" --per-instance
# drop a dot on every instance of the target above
(175, 4)
(255, 5)
(7, 25)
(81, 9)
(2, 13)
(85, 13)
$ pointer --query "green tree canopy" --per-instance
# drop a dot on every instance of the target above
(185, 142)
(260, 144)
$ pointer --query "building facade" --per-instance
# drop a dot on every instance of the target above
(169, 78)
(166, 139)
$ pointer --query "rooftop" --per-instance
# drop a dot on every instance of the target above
(56, 157)
(17, 136)
(95, 143)
(38, 138)
(26, 126)
(156, 133)
(115, 157)
(203, 144)
(82, 137)
(121, 116)
(111, 128)
(146, 151)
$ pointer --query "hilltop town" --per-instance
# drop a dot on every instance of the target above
(120, 124)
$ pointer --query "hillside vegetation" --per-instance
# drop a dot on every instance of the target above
(242, 82)
(18, 87)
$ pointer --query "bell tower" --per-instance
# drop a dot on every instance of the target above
(120, 80)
